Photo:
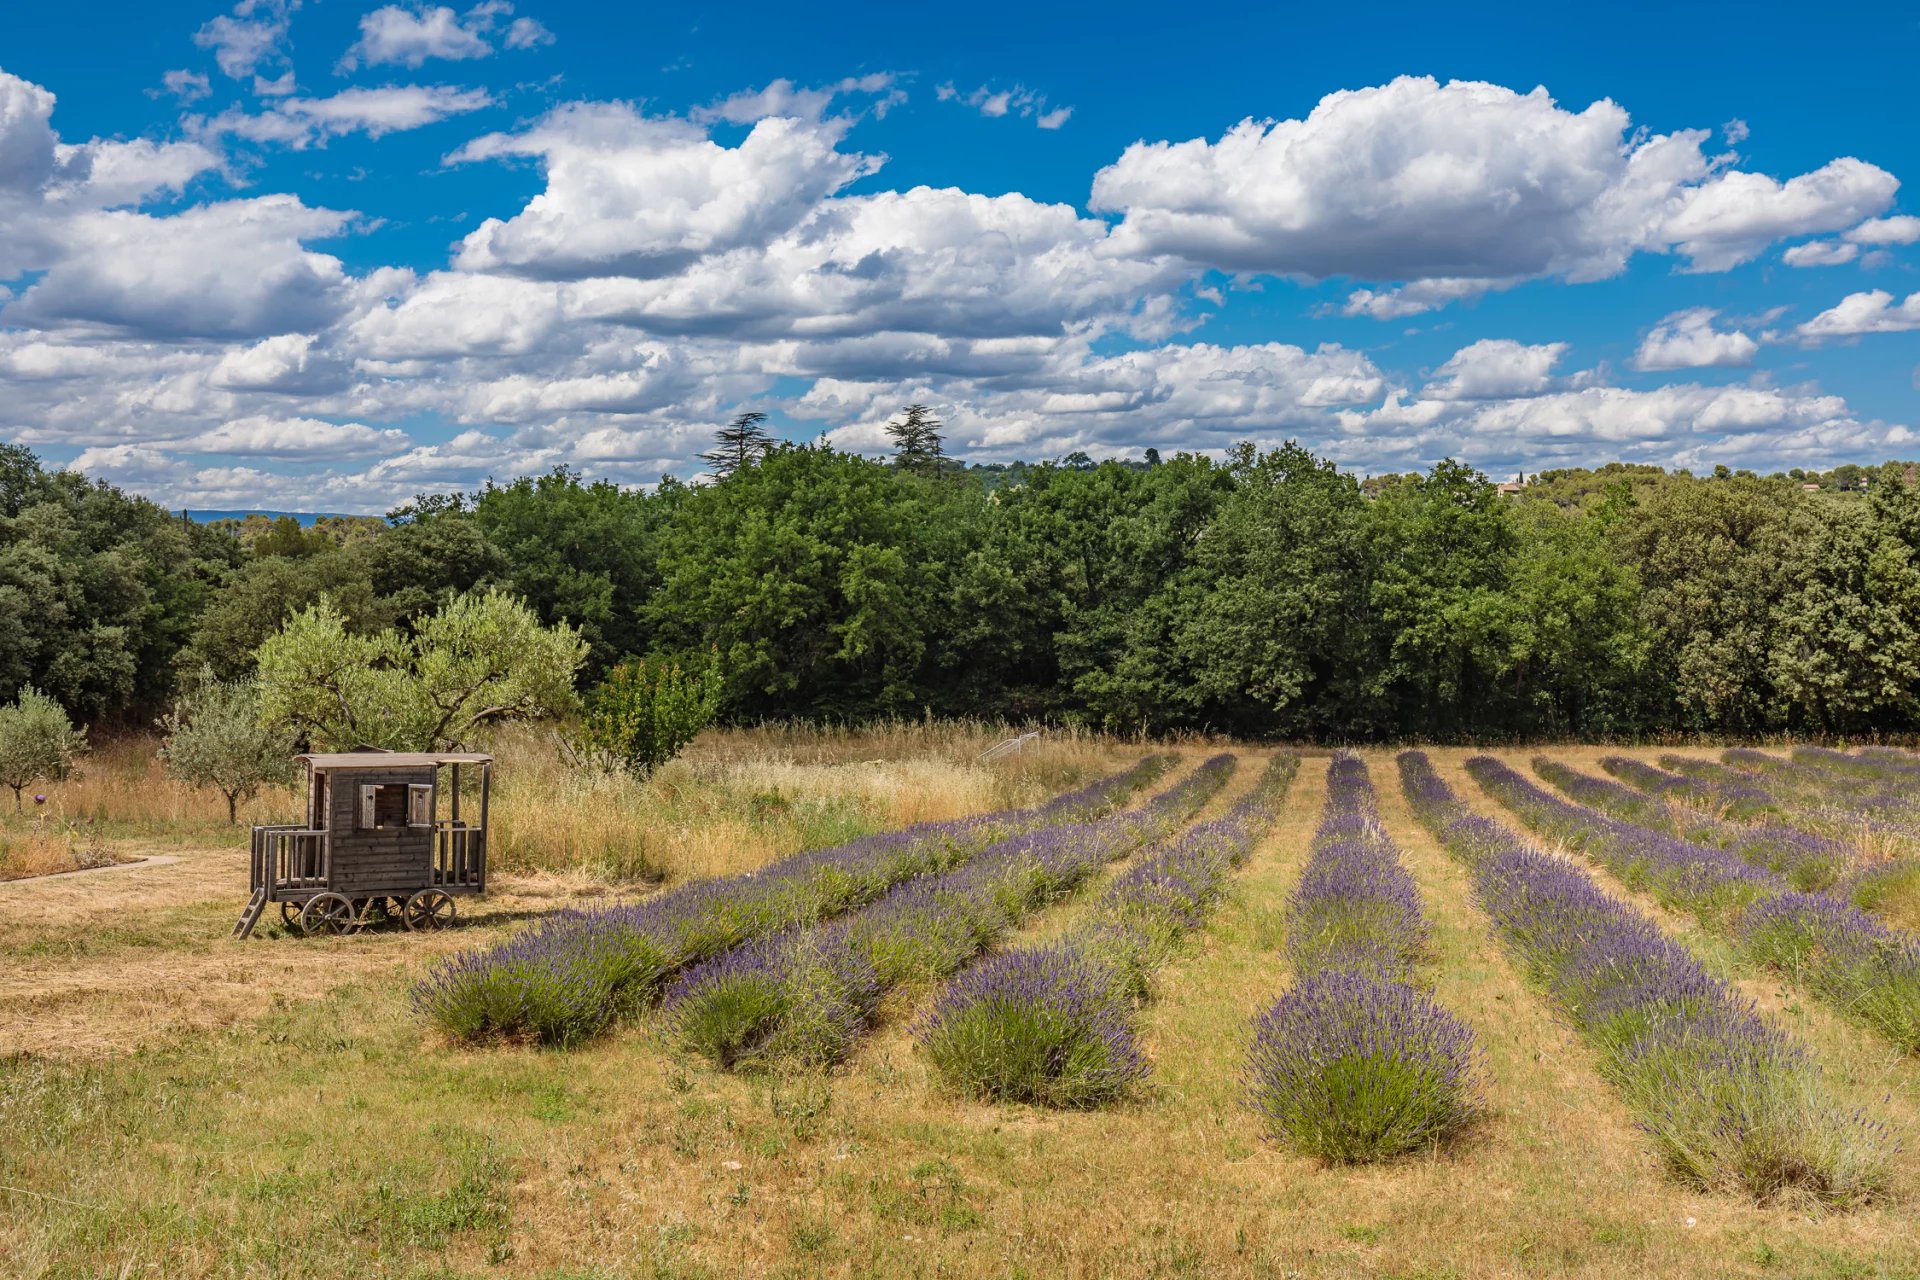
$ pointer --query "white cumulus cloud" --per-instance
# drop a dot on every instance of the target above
(1688, 340)
(409, 37)
(1019, 102)
(249, 37)
(266, 437)
(1820, 253)
(1462, 186)
(784, 98)
(645, 196)
(1874, 311)
(1496, 369)
(299, 123)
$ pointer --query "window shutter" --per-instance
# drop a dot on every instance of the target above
(419, 805)
(367, 792)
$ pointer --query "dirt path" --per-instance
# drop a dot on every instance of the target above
(98, 964)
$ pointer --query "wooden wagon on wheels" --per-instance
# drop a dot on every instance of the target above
(383, 840)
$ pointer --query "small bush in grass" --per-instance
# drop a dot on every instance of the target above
(1737, 1109)
(793, 998)
(36, 741)
(557, 983)
(1350, 1067)
(1731, 1100)
(645, 711)
(1044, 1025)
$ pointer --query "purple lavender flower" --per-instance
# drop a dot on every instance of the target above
(1353, 1063)
(1355, 907)
(567, 977)
(1039, 1025)
(1847, 958)
(923, 928)
(1352, 1066)
(1729, 1099)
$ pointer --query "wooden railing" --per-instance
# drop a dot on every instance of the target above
(459, 854)
(289, 857)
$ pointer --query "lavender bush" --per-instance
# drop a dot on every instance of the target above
(1353, 1066)
(1353, 1063)
(1036, 1024)
(1874, 764)
(1057, 1025)
(1853, 962)
(1731, 1102)
(1355, 907)
(1885, 887)
(571, 974)
(925, 928)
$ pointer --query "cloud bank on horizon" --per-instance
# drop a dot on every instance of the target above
(185, 309)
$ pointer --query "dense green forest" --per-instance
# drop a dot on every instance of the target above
(1266, 594)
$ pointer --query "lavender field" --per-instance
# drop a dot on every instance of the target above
(1241, 1010)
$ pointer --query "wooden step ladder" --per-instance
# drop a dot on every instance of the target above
(243, 927)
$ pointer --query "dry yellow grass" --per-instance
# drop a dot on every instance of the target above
(47, 844)
(737, 799)
(734, 801)
(333, 1137)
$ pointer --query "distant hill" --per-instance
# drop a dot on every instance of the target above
(306, 518)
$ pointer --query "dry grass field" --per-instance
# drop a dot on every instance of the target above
(177, 1105)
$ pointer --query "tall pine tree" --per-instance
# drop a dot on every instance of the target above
(742, 442)
(916, 440)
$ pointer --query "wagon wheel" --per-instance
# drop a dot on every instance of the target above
(289, 914)
(326, 913)
(429, 909)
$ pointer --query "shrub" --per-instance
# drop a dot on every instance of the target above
(793, 998)
(1055, 1025)
(36, 741)
(1871, 972)
(1350, 1066)
(646, 711)
(1890, 888)
(924, 929)
(1045, 1025)
(572, 974)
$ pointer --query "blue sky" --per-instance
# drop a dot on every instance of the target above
(325, 255)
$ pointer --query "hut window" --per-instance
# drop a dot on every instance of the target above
(382, 806)
(419, 805)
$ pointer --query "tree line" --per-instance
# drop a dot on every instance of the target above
(1266, 594)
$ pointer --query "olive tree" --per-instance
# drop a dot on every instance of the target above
(215, 738)
(482, 658)
(36, 741)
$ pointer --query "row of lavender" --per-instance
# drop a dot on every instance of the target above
(1058, 1025)
(573, 973)
(805, 995)
(1846, 957)
(1807, 861)
(1354, 1062)
(1832, 781)
(1876, 835)
(1732, 1103)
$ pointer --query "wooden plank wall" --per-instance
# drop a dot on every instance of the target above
(388, 861)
